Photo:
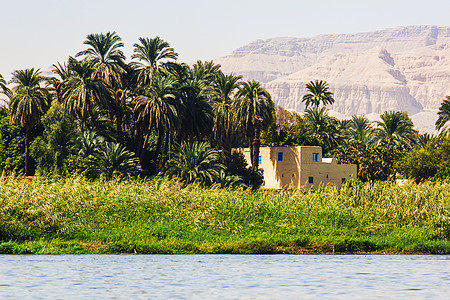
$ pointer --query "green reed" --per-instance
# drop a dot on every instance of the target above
(76, 215)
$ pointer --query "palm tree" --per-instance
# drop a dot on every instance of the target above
(4, 89)
(444, 113)
(253, 111)
(318, 92)
(113, 159)
(225, 87)
(62, 73)
(104, 51)
(360, 128)
(394, 134)
(396, 128)
(424, 139)
(195, 94)
(123, 93)
(28, 104)
(81, 91)
(344, 125)
(321, 127)
(226, 180)
(151, 55)
(360, 123)
(206, 71)
(87, 143)
(196, 162)
(156, 108)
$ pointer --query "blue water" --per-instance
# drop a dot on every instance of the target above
(224, 277)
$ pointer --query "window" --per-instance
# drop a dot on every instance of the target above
(280, 156)
(315, 156)
(310, 179)
(259, 160)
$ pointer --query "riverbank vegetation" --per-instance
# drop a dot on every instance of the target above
(75, 215)
(86, 136)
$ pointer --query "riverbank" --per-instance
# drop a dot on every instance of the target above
(74, 215)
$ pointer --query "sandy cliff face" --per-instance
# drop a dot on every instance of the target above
(363, 83)
(427, 73)
(405, 68)
(282, 56)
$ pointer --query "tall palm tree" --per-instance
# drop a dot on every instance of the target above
(318, 92)
(195, 94)
(206, 71)
(156, 108)
(151, 55)
(197, 115)
(104, 50)
(396, 128)
(225, 86)
(123, 93)
(393, 134)
(28, 104)
(204, 74)
(253, 111)
(82, 90)
(444, 113)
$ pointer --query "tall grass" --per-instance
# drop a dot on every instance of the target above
(76, 215)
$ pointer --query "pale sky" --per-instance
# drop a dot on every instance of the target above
(40, 33)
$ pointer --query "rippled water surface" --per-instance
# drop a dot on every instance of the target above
(225, 276)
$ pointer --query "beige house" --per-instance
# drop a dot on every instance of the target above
(300, 166)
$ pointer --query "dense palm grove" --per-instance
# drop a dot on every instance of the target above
(103, 117)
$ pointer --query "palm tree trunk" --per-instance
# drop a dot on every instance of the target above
(27, 150)
(119, 128)
(250, 146)
(159, 143)
(169, 145)
(139, 137)
(225, 139)
(256, 143)
(142, 149)
(119, 99)
(94, 121)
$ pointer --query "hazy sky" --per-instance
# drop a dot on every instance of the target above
(37, 33)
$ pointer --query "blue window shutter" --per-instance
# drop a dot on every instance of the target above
(280, 156)
(259, 160)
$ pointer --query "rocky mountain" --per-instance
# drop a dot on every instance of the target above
(404, 68)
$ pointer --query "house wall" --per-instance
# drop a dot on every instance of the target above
(284, 173)
(297, 166)
(324, 174)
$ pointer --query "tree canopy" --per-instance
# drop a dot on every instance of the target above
(153, 115)
(318, 93)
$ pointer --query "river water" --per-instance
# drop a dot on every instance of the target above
(224, 277)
